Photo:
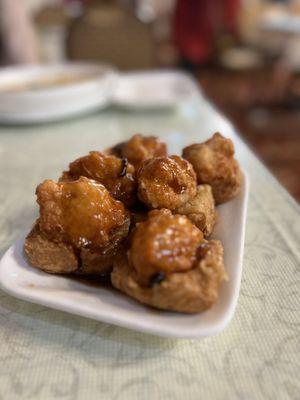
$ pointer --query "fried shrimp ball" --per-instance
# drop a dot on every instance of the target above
(166, 182)
(192, 291)
(81, 211)
(201, 210)
(215, 165)
(140, 148)
(78, 220)
(162, 244)
(116, 174)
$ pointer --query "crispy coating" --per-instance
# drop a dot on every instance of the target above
(166, 182)
(116, 174)
(80, 229)
(215, 165)
(62, 258)
(139, 148)
(97, 262)
(201, 210)
(192, 291)
(164, 243)
(42, 253)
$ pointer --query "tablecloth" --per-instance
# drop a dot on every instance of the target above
(47, 354)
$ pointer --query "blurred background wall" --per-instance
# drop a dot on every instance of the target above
(244, 53)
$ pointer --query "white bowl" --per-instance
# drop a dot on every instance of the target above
(58, 101)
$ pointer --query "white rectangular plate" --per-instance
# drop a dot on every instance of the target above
(24, 282)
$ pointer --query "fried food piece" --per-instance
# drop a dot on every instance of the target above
(162, 244)
(81, 212)
(166, 182)
(215, 165)
(201, 210)
(49, 256)
(62, 258)
(80, 229)
(140, 148)
(116, 174)
(192, 291)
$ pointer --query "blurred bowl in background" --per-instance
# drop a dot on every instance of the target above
(35, 94)
(154, 89)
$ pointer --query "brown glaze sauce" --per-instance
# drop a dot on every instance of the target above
(89, 213)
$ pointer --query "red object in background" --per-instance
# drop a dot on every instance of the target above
(198, 23)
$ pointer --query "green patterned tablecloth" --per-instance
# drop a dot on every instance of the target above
(47, 354)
